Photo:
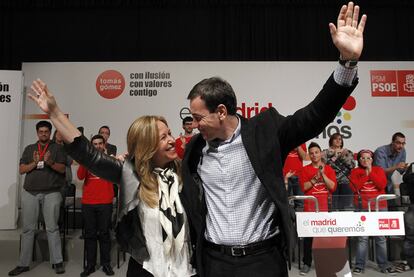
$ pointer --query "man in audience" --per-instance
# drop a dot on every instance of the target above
(319, 180)
(43, 162)
(97, 199)
(291, 172)
(106, 133)
(57, 138)
(182, 140)
(391, 157)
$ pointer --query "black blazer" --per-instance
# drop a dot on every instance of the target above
(267, 137)
(111, 149)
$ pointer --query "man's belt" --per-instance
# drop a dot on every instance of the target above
(243, 250)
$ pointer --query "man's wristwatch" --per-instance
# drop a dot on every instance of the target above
(348, 63)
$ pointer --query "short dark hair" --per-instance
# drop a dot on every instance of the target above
(187, 119)
(43, 123)
(81, 129)
(215, 91)
(98, 137)
(106, 127)
(397, 135)
(334, 136)
(313, 144)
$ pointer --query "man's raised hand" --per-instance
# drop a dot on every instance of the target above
(348, 34)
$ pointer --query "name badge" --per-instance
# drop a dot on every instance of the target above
(40, 165)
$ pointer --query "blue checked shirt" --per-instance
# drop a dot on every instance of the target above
(385, 158)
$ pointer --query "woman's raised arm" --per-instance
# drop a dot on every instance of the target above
(41, 95)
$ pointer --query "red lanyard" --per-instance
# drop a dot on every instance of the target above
(42, 152)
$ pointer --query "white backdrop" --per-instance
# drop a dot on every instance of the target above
(10, 118)
(285, 85)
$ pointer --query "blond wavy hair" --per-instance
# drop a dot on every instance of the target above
(142, 141)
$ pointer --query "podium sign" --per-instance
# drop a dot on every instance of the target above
(349, 224)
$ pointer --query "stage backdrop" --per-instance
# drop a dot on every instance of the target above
(114, 94)
(10, 119)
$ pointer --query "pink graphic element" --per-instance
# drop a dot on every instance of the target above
(363, 218)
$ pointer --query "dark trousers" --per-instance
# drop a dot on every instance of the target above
(135, 269)
(408, 248)
(265, 264)
(307, 251)
(97, 224)
(294, 189)
(342, 197)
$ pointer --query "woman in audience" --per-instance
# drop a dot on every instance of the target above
(152, 222)
(342, 161)
(370, 181)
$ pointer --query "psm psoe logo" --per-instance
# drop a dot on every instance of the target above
(388, 223)
(392, 83)
(110, 84)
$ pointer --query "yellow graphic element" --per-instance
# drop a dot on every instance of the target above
(347, 116)
(407, 123)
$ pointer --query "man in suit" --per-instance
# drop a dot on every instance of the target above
(233, 189)
(106, 132)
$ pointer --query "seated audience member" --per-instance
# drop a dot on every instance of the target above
(291, 172)
(182, 140)
(391, 157)
(316, 179)
(97, 199)
(106, 133)
(342, 161)
(370, 181)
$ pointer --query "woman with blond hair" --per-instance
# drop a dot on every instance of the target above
(152, 224)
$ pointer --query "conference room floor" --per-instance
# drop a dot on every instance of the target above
(9, 253)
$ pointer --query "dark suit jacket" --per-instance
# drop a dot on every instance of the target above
(268, 137)
(111, 149)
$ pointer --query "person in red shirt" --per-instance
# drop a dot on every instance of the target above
(291, 171)
(97, 199)
(182, 140)
(319, 180)
(368, 181)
